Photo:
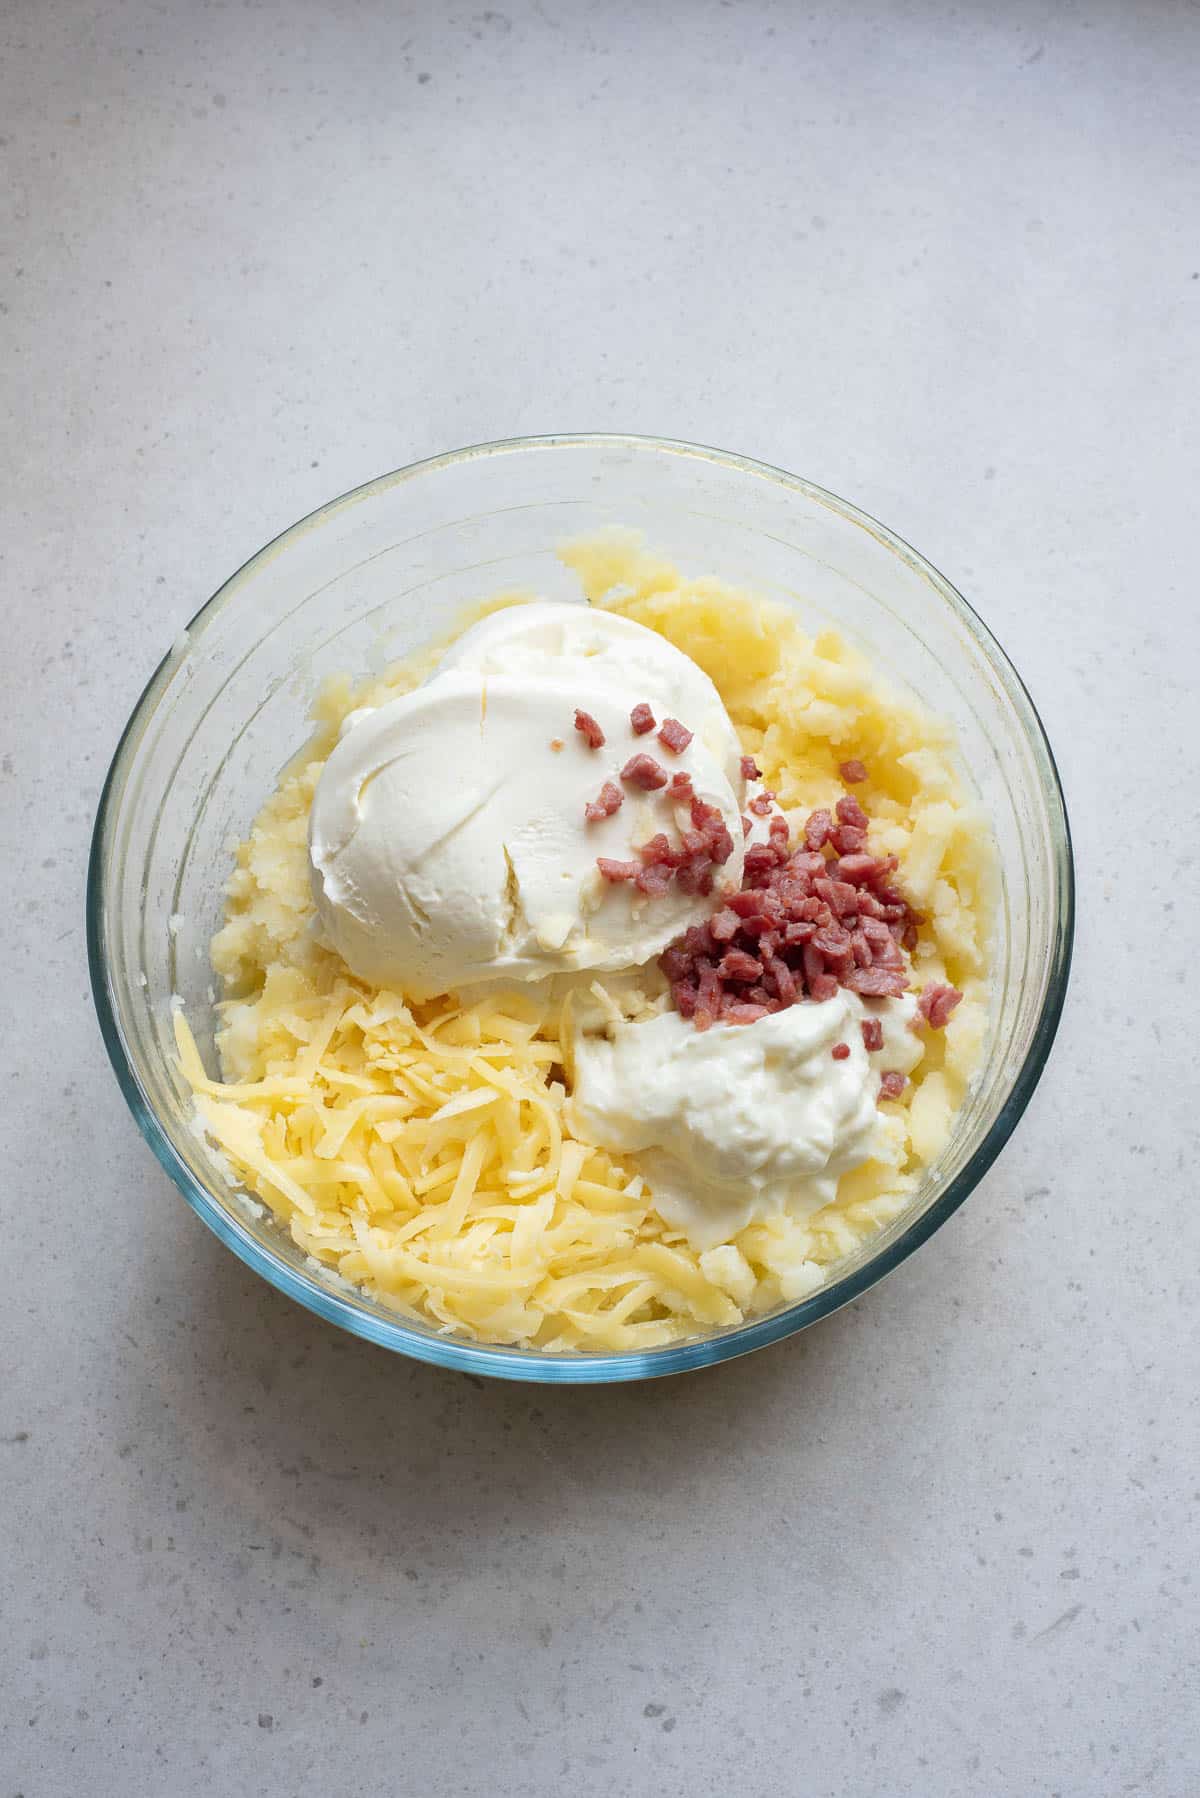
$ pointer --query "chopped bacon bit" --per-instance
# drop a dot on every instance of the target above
(750, 768)
(807, 920)
(644, 772)
(610, 800)
(760, 805)
(877, 982)
(849, 811)
(892, 1085)
(817, 830)
(854, 869)
(642, 719)
(617, 871)
(840, 1051)
(589, 730)
(681, 789)
(747, 827)
(852, 771)
(658, 851)
(737, 965)
(936, 1003)
(741, 1013)
(653, 878)
(676, 736)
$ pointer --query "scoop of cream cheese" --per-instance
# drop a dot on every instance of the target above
(448, 842)
(744, 1121)
(586, 643)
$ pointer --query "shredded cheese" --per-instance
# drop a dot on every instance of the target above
(420, 1152)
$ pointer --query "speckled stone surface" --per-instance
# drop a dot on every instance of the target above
(943, 259)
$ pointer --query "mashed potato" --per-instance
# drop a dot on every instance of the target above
(421, 1150)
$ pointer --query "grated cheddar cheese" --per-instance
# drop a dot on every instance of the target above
(420, 1151)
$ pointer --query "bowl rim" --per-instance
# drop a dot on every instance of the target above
(583, 1367)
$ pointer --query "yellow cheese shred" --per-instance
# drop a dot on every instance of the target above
(421, 1152)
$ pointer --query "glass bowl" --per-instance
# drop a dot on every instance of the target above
(375, 575)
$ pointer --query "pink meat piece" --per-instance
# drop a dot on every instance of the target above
(852, 771)
(936, 1004)
(589, 730)
(816, 831)
(848, 839)
(653, 879)
(681, 789)
(876, 982)
(725, 925)
(740, 1012)
(856, 868)
(892, 1085)
(840, 1051)
(760, 805)
(872, 1033)
(609, 801)
(659, 850)
(737, 965)
(642, 719)
(750, 768)
(617, 871)
(674, 735)
(849, 811)
(823, 987)
(644, 772)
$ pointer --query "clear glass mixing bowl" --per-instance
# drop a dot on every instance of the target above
(374, 575)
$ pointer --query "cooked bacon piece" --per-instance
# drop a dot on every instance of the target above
(936, 1003)
(642, 719)
(658, 851)
(857, 868)
(737, 965)
(680, 789)
(760, 805)
(892, 1085)
(750, 768)
(738, 1011)
(817, 830)
(807, 920)
(676, 736)
(610, 800)
(617, 871)
(653, 878)
(747, 827)
(852, 771)
(877, 982)
(644, 772)
(840, 1051)
(589, 730)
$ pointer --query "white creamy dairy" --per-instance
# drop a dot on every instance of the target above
(743, 1121)
(448, 841)
(579, 642)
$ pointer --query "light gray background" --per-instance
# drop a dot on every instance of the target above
(943, 259)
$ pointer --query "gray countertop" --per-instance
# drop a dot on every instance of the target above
(944, 260)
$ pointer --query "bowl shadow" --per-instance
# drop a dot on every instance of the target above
(294, 1433)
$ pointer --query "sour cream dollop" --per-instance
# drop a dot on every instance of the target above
(741, 1122)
